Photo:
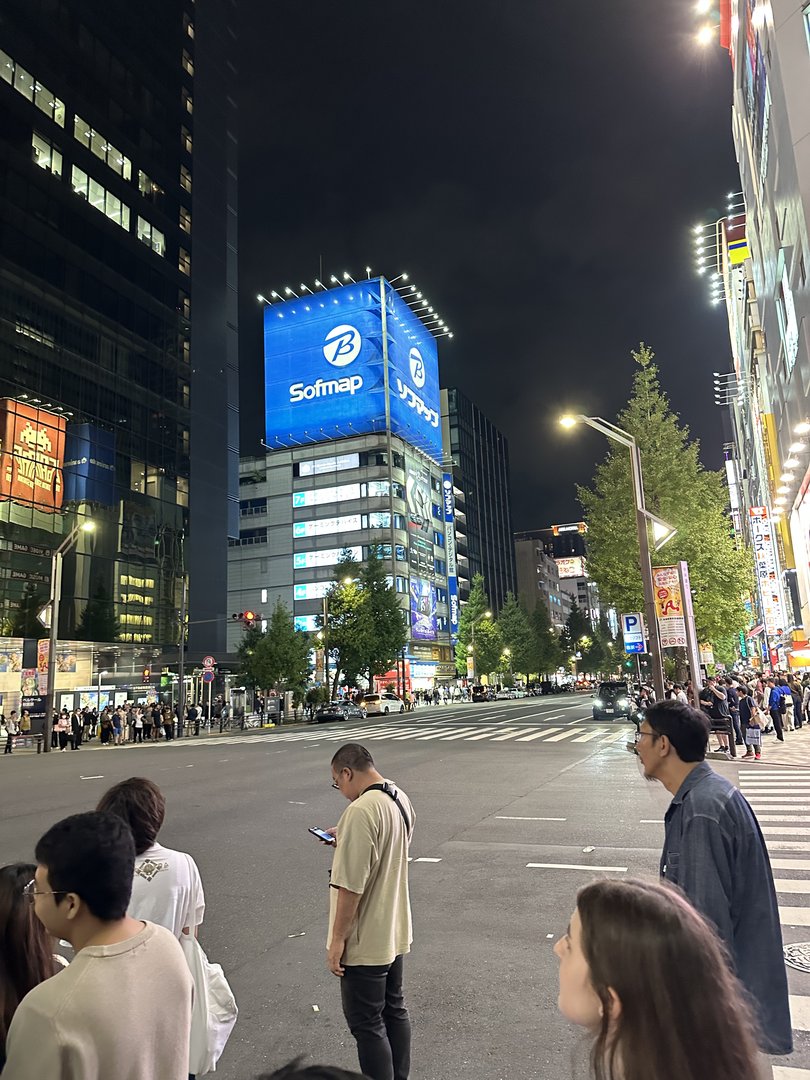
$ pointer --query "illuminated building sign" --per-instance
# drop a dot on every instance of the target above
(450, 545)
(313, 590)
(325, 368)
(348, 523)
(89, 467)
(336, 463)
(770, 592)
(572, 567)
(576, 527)
(423, 610)
(307, 623)
(326, 495)
(32, 452)
(306, 559)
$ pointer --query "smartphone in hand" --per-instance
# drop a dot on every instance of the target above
(322, 834)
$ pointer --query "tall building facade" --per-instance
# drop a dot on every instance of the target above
(355, 460)
(117, 316)
(755, 257)
(479, 453)
(538, 579)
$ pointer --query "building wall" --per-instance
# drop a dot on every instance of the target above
(480, 456)
(538, 578)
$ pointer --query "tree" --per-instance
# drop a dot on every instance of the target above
(516, 635)
(678, 489)
(281, 655)
(246, 652)
(546, 651)
(25, 621)
(471, 620)
(98, 621)
(386, 632)
(602, 655)
(576, 634)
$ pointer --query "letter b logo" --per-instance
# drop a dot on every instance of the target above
(342, 345)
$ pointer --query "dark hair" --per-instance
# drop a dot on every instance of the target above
(26, 950)
(683, 1013)
(297, 1071)
(93, 856)
(353, 756)
(686, 728)
(141, 805)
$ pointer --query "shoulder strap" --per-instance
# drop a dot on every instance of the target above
(391, 792)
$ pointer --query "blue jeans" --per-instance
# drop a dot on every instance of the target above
(377, 1017)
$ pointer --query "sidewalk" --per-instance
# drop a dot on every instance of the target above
(793, 752)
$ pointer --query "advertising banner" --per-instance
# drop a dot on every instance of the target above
(572, 567)
(423, 610)
(339, 493)
(312, 590)
(770, 591)
(305, 559)
(669, 607)
(336, 463)
(324, 368)
(32, 452)
(420, 519)
(89, 468)
(449, 504)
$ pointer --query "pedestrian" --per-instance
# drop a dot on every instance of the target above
(118, 725)
(107, 730)
(12, 730)
(194, 719)
(776, 707)
(752, 719)
(25, 722)
(714, 702)
(166, 887)
(798, 705)
(63, 727)
(146, 716)
(168, 723)
(370, 912)
(76, 729)
(66, 1028)
(25, 946)
(679, 1015)
(732, 694)
(297, 1071)
(137, 725)
(714, 850)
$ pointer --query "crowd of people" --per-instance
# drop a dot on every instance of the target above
(681, 979)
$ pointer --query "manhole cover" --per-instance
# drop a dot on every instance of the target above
(798, 955)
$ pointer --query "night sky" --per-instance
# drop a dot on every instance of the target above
(536, 167)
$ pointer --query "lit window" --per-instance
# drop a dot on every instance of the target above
(23, 82)
(185, 220)
(182, 491)
(188, 63)
(188, 26)
(45, 154)
(6, 68)
(185, 178)
(185, 350)
(103, 150)
(27, 85)
(187, 140)
(188, 101)
(184, 261)
(148, 234)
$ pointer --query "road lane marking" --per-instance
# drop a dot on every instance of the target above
(588, 736)
(563, 735)
(100, 777)
(784, 1072)
(792, 885)
(507, 735)
(783, 817)
(787, 845)
(794, 916)
(443, 731)
(486, 735)
(651, 821)
(573, 866)
(424, 858)
(509, 817)
(800, 1012)
(790, 864)
(784, 830)
(537, 735)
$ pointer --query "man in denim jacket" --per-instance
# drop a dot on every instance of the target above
(714, 850)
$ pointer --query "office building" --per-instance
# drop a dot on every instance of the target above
(566, 546)
(754, 260)
(479, 453)
(117, 321)
(538, 578)
(352, 420)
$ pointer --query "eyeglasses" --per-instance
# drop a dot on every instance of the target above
(335, 783)
(640, 735)
(31, 890)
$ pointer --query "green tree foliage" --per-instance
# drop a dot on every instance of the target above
(517, 635)
(246, 652)
(547, 653)
(98, 621)
(576, 635)
(603, 654)
(678, 489)
(281, 655)
(473, 614)
(25, 622)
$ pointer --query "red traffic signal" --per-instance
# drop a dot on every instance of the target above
(249, 618)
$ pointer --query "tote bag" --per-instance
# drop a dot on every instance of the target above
(214, 1012)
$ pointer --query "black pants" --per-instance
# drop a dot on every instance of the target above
(138, 734)
(9, 742)
(776, 717)
(167, 730)
(375, 1012)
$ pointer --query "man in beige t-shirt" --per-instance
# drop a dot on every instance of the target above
(68, 1027)
(370, 912)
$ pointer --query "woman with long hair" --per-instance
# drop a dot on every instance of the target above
(645, 974)
(26, 948)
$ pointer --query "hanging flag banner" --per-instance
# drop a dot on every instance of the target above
(669, 607)
(770, 591)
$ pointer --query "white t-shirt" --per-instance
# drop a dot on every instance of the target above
(167, 889)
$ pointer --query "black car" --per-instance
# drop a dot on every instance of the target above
(339, 710)
(482, 693)
(613, 701)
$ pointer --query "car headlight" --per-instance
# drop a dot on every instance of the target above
(598, 702)
(623, 701)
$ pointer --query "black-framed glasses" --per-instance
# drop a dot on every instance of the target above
(640, 735)
(31, 890)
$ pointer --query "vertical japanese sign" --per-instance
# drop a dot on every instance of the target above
(770, 590)
(669, 607)
(450, 548)
(32, 452)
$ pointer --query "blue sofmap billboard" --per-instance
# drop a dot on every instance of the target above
(324, 369)
(89, 467)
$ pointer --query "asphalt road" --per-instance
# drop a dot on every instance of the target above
(496, 787)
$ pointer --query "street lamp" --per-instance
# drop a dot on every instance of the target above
(665, 532)
(473, 623)
(55, 597)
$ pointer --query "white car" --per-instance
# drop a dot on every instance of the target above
(505, 695)
(382, 704)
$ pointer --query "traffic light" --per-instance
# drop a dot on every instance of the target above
(248, 618)
(146, 673)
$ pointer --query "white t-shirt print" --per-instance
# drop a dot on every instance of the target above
(167, 889)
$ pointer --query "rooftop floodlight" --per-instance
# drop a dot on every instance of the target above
(261, 299)
(319, 284)
(348, 277)
(290, 292)
(797, 447)
(802, 428)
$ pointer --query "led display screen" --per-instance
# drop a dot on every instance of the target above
(326, 526)
(326, 495)
(313, 590)
(449, 503)
(325, 368)
(305, 559)
(32, 449)
(423, 610)
(336, 463)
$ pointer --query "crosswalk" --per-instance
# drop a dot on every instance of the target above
(780, 797)
(439, 731)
